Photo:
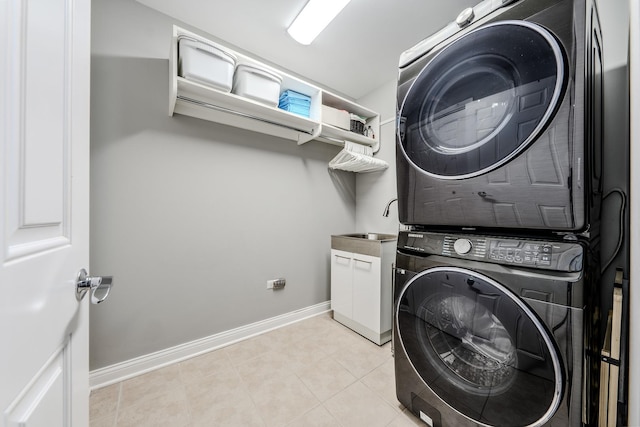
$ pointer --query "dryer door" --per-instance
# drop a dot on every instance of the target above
(479, 347)
(481, 100)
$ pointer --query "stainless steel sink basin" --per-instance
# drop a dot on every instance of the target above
(363, 243)
(371, 236)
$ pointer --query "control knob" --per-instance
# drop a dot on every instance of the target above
(465, 17)
(462, 246)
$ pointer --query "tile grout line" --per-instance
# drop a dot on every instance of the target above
(184, 390)
(115, 421)
(246, 388)
(396, 410)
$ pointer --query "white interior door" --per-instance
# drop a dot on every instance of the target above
(44, 227)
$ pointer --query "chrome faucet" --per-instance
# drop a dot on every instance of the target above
(386, 210)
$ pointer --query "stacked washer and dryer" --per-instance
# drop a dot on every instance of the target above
(499, 153)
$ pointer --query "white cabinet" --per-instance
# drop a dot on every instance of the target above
(361, 294)
(367, 292)
(355, 287)
(341, 282)
(208, 103)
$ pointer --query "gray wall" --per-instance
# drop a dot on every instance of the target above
(374, 190)
(614, 18)
(192, 217)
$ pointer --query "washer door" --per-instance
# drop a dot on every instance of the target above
(481, 100)
(479, 347)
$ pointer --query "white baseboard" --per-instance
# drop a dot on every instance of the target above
(130, 368)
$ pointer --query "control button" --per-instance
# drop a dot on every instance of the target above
(517, 256)
(462, 246)
(509, 256)
(465, 17)
(545, 258)
(546, 249)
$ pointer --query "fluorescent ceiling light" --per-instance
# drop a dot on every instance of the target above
(313, 18)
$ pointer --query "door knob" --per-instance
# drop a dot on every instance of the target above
(99, 286)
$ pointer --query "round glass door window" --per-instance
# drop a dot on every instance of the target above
(481, 100)
(479, 347)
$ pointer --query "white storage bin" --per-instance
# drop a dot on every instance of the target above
(335, 117)
(257, 84)
(205, 64)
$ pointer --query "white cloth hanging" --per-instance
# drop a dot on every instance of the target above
(357, 158)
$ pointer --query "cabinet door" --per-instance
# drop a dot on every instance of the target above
(366, 291)
(341, 278)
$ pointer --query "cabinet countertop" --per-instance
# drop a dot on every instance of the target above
(362, 245)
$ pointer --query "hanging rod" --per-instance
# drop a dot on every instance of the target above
(341, 142)
(238, 113)
(338, 141)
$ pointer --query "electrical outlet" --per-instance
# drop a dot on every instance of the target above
(276, 284)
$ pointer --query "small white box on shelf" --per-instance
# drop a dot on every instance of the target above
(335, 117)
(205, 64)
(258, 84)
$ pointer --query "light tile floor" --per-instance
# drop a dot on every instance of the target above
(313, 373)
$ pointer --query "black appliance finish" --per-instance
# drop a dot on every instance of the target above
(500, 125)
(490, 330)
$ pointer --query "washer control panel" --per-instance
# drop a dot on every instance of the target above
(521, 252)
(467, 245)
(548, 255)
(462, 246)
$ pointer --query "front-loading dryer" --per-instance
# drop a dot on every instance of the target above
(500, 121)
(495, 331)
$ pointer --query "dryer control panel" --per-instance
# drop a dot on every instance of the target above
(548, 255)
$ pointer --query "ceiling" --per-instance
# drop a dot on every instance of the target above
(357, 53)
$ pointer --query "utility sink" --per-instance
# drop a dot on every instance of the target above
(371, 236)
(362, 243)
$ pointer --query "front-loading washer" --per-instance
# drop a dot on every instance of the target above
(500, 120)
(495, 331)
